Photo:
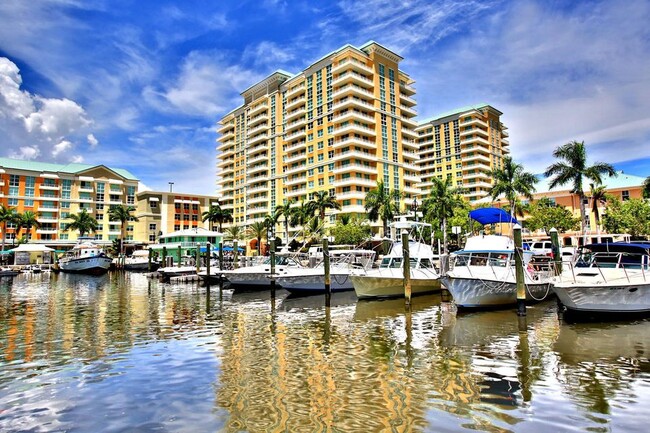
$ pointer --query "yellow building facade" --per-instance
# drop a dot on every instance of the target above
(339, 126)
(463, 145)
(55, 191)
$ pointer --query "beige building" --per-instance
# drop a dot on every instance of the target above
(162, 213)
(464, 145)
(340, 125)
(55, 191)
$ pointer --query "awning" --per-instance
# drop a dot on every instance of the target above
(49, 175)
(86, 178)
(154, 199)
(492, 215)
(115, 181)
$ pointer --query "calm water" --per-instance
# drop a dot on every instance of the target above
(121, 353)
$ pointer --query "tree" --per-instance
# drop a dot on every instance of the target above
(27, 220)
(545, 215)
(83, 222)
(352, 232)
(631, 216)
(646, 188)
(215, 214)
(7, 215)
(440, 203)
(323, 201)
(122, 214)
(511, 180)
(382, 203)
(573, 169)
(257, 230)
(285, 211)
(598, 196)
(234, 233)
(300, 215)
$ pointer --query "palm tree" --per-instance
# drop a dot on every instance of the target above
(646, 188)
(257, 230)
(234, 233)
(300, 215)
(439, 204)
(598, 196)
(323, 201)
(7, 215)
(217, 215)
(83, 222)
(381, 203)
(511, 180)
(573, 169)
(27, 220)
(122, 214)
(285, 211)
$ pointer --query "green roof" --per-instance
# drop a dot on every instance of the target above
(71, 168)
(623, 180)
(453, 112)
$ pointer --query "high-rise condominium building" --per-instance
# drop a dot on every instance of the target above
(339, 126)
(464, 145)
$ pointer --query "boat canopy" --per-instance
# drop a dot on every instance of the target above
(492, 215)
(619, 247)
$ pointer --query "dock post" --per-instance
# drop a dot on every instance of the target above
(208, 255)
(557, 254)
(180, 252)
(519, 271)
(235, 253)
(326, 265)
(150, 258)
(406, 260)
(197, 257)
(272, 257)
(164, 257)
(220, 256)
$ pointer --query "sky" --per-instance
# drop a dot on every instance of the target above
(141, 84)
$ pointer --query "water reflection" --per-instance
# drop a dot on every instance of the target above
(121, 352)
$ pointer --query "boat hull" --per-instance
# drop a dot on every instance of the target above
(615, 299)
(315, 284)
(485, 293)
(391, 286)
(87, 265)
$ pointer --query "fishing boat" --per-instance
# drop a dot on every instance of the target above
(85, 257)
(607, 278)
(311, 281)
(482, 274)
(387, 281)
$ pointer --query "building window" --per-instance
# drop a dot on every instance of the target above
(153, 204)
(152, 227)
(152, 238)
(625, 195)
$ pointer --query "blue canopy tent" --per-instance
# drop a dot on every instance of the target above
(240, 249)
(492, 215)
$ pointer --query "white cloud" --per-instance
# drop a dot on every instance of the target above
(34, 125)
(92, 141)
(269, 55)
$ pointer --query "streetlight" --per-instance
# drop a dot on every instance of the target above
(171, 186)
(414, 208)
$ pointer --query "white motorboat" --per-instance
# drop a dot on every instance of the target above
(387, 281)
(311, 281)
(607, 278)
(139, 261)
(482, 275)
(257, 277)
(8, 272)
(85, 257)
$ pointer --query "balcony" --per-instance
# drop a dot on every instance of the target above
(258, 168)
(293, 125)
(294, 91)
(474, 139)
(354, 154)
(352, 90)
(86, 189)
(226, 127)
(43, 231)
(410, 122)
(405, 100)
(352, 128)
(262, 127)
(227, 170)
(353, 78)
(352, 102)
(354, 181)
(411, 167)
(350, 195)
(258, 199)
(410, 155)
(478, 175)
(357, 168)
(295, 135)
(295, 180)
(353, 208)
(295, 113)
(412, 144)
(228, 145)
(262, 147)
(44, 220)
(412, 178)
(295, 158)
(227, 206)
(355, 141)
(44, 187)
(297, 169)
(412, 190)
(227, 136)
(479, 184)
(257, 119)
(474, 122)
(351, 115)
(296, 192)
(409, 133)
(295, 146)
(261, 157)
(258, 139)
(257, 188)
(227, 154)
(295, 103)
(258, 109)
(407, 89)
(476, 157)
(352, 64)
(406, 109)
(472, 131)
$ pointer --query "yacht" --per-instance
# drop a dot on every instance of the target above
(311, 281)
(607, 278)
(85, 257)
(387, 281)
(482, 274)
(257, 277)
(139, 261)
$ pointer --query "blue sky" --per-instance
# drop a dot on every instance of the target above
(140, 85)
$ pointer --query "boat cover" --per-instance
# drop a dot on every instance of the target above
(492, 215)
(619, 247)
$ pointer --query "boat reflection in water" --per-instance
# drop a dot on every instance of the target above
(152, 356)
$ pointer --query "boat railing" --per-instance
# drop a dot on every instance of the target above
(598, 261)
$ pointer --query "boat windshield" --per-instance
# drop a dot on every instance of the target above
(482, 259)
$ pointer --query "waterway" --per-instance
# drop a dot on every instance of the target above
(123, 353)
